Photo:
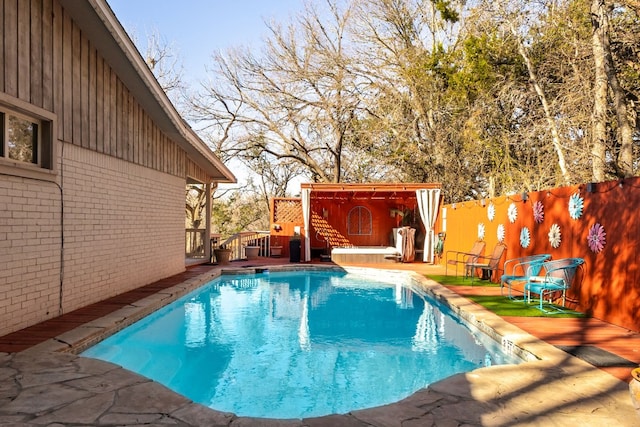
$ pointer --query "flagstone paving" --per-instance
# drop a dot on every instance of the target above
(56, 389)
(44, 385)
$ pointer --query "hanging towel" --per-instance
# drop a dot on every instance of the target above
(409, 250)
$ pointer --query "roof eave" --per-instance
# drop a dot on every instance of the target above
(370, 187)
(98, 22)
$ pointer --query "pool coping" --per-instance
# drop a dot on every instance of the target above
(537, 354)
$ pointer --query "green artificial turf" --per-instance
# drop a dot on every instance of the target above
(498, 304)
(461, 281)
(504, 307)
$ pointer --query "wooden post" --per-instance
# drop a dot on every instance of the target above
(207, 228)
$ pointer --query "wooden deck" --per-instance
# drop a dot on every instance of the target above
(599, 339)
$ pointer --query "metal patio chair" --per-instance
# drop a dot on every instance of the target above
(558, 278)
(518, 270)
(464, 258)
(488, 264)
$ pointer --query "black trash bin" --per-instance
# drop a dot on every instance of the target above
(294, 250)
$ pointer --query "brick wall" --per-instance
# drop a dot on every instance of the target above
(123, 228)
(30, 224)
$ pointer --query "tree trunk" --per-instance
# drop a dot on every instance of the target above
(555, 136)
(600, 87)
(625, 129)
(606, 78)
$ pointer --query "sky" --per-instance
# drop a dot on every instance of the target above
(198, 28)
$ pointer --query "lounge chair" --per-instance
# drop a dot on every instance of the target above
(488, 264)
(559, 276)
(518, 270)
(464, 258)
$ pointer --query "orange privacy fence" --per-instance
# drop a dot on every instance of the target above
(597, 222)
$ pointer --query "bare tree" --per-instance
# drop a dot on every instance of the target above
(404, 50)
(164, 62)
(195, 205)
(486, 97)
(516, 18)
(294, 104)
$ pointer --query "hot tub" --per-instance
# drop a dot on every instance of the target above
(365, 254)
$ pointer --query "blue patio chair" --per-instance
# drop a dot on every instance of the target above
(518, 270)
(559, 276)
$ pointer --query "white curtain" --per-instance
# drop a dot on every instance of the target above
(397, 240)
(428, 203)
(306, 214)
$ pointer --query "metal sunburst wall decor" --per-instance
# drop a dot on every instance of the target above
(512, 212)
(576, 204)
(525, 237)
(491, 211)
(538, 212)
(555, 236)
(596, 238)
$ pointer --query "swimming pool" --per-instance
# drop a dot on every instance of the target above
(298, 344)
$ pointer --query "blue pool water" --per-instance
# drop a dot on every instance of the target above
(297, 344)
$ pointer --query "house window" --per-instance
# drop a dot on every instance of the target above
(26, 136)
(21, 138)
(359, 221)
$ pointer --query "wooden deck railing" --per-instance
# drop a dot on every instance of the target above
(194, 241)
(239, 241)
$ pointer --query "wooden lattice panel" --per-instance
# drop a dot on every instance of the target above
(288, 211)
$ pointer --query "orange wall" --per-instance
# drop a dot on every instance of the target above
(329, 221)
(329, 218)
(609, 288)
